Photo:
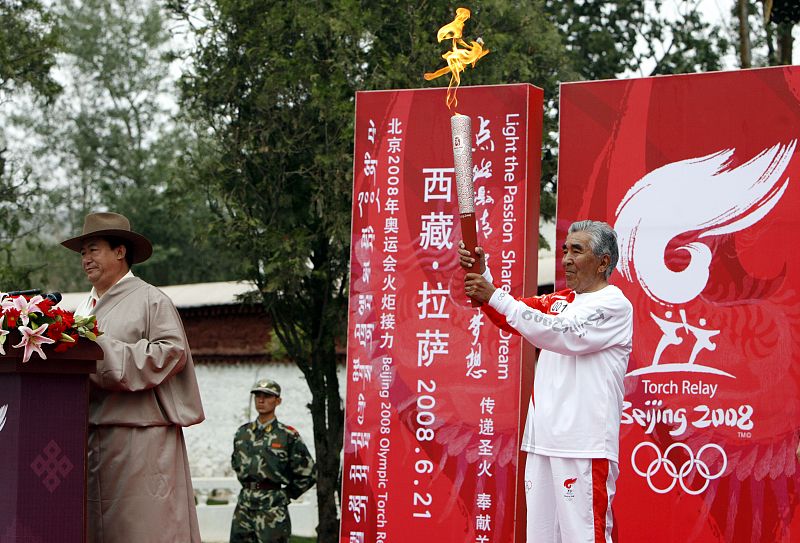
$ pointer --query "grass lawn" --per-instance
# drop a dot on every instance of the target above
(298, 539)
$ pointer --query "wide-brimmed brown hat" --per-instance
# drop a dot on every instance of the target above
(116, 225)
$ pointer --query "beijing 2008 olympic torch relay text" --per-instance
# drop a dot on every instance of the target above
(461, 55)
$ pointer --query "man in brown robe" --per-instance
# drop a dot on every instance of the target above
(144, 392)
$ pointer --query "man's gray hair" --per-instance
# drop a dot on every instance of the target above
(602, 240)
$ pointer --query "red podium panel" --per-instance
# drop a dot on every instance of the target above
(699, 174)
(436, 395)
(43, 437)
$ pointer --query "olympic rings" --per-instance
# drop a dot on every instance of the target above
(678, 475)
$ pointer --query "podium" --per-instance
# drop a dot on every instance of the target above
(43, 439)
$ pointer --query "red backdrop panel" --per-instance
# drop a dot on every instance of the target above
(699, 175)
(435, 395)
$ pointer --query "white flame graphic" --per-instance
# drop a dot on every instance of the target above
(702, 195)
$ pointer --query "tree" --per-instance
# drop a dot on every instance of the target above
(21, 220)
(607, 39)
(272, 86)
(28, 43)
(766, 28)
(616, 38)
(742, 13)
(112, 141)
(783, 14)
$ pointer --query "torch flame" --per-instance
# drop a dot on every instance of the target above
(459, 57)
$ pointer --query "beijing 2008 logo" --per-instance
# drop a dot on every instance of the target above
(679, 475)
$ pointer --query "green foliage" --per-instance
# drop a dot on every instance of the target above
(117, 145)
(688, 45)
(275, 349)
(272, 88)
(20, 208)
(301, 70)
(607, 39)
(273, 165)
(615, 38)
(770, 32)
(785, 11)
(28, 42)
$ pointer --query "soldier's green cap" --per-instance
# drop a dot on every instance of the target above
(266, 386)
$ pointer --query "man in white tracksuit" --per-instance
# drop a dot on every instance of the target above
(572, 431)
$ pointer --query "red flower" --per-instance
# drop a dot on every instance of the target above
(66, 317)
(60, 323)
(44, 323)
(12, 316)
(62, 346)
(46, 306)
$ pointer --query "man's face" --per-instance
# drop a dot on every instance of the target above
(266, 404)
(584, 271)
(103, 265)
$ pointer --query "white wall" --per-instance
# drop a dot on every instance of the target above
(225, 390)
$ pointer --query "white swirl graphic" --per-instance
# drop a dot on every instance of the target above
(678, 475)
(3, 410)
(702, 196)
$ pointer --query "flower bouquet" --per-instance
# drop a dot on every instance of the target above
(37, 322)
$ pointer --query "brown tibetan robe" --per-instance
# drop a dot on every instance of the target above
(144, 392)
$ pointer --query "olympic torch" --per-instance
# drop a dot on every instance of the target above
(458, 58)
(461, 129)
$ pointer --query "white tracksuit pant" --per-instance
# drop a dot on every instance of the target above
(569, 499)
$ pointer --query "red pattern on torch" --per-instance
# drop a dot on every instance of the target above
(461, 129)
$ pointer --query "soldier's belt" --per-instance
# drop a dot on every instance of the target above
(262, 485)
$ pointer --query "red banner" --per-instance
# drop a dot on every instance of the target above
(699, 176)
(435, 393)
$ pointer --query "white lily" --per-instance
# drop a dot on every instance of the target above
(3, 334)
(24, 306)
(32, 340)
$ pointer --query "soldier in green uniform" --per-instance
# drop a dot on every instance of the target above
(274, 467)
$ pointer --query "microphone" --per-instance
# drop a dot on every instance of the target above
(54, 297)
(30, 292)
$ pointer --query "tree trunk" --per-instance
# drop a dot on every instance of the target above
(744, 34)
(328, 443)
(328, 417)
(785, 43)
(318, 364)
(772, 58)
(310, 341)
(326, 408)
